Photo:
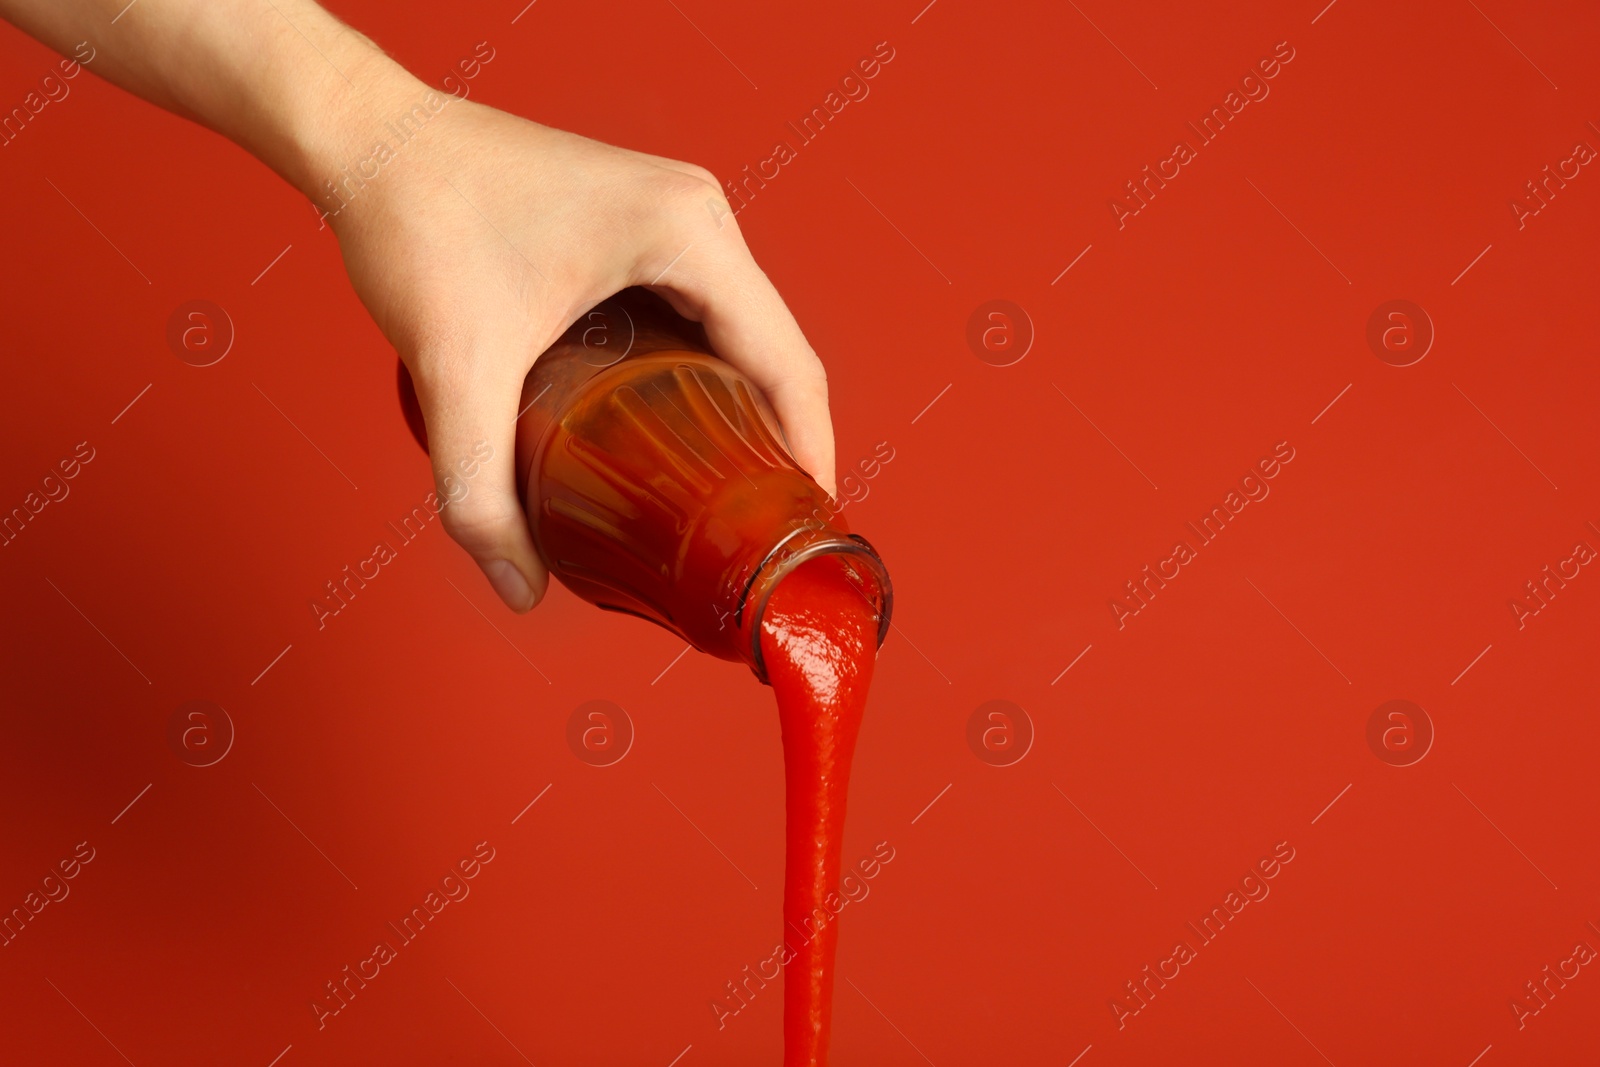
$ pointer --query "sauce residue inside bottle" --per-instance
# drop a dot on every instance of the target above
(819, 640)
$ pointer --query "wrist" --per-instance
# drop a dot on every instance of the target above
(330, 131)
(294, 87)
(284, 79)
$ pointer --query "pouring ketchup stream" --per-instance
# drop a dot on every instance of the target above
(655, 485)
(819, 640)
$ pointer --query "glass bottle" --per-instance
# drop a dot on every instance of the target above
(655, 483)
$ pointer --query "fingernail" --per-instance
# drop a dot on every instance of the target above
(509, 583)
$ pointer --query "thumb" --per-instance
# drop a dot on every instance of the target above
(471, 412)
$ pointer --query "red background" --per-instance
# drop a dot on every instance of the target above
(1221, 720)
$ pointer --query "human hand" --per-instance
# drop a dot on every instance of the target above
(474, 237)
(484, 236)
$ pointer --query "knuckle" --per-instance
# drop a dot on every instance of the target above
(810, 370)
(474, 520)
(702, 174)
(696, 195)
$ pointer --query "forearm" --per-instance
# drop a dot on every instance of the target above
(282, 78)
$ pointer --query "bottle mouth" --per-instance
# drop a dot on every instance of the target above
(862, 563)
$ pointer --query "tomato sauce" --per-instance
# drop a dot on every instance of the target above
(655, 484)
(819, 639)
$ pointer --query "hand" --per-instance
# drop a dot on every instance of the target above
(483, 236)
(474, 239)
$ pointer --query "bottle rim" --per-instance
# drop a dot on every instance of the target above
(770, 574)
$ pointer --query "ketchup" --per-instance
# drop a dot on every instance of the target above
(656, 484)
(819, 639)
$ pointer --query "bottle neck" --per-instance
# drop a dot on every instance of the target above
(862, 567)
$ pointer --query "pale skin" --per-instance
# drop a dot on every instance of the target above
(477, 246)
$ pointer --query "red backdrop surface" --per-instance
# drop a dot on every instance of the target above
(1165, 351)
